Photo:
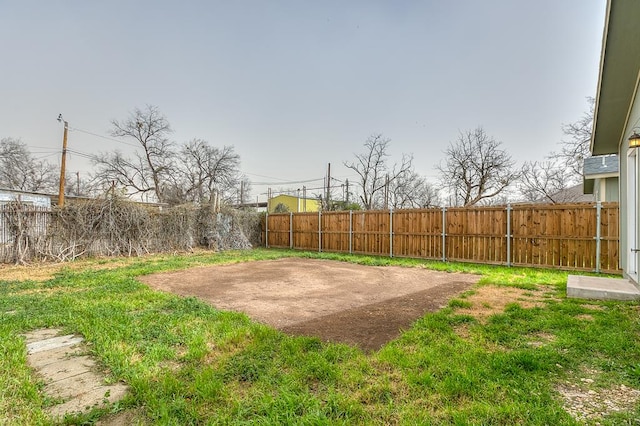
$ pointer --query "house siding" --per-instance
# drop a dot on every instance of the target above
(292, 203)
(611, 189)
(625, 244)
(24, 197)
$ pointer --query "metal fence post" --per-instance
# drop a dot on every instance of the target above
(266, 231)
(350, 231)
(508, 234)
(291, 230)
(319, 231)
(391, 232)
(444, 239)
(598, 236)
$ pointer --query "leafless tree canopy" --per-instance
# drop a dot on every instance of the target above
(576, 144)
(192, 172)
(412, 191)
(150, 166)
(545, 181)
(549, 180)
(19, 170)
(375, 174)
(204, 171)
(476, 168)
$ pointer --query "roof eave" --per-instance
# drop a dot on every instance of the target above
(618, 77)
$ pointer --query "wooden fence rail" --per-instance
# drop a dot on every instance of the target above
(581, 236)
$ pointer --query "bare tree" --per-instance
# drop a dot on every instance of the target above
(576, 144)
(375, 174)
(244, 190)
(476, 168)
(411, 191)
(151, 167)
(79, 186)
(549, 180)
(204, 171)
(19, 170)
(546, 181)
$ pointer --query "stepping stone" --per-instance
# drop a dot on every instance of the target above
(53, 343)
(68, 374)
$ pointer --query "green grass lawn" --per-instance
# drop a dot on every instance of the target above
(188, 363)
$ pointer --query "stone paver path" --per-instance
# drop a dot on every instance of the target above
(70, 377)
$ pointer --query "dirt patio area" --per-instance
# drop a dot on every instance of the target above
(341, 302)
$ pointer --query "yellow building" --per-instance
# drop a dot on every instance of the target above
(293, 204)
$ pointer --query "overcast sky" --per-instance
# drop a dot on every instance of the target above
(294, 85)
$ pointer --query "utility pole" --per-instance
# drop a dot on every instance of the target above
(63, 162)
(328, 197)
(78, 183)
(347, 184)
(386, 192)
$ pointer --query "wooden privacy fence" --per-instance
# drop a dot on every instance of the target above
(581, 236)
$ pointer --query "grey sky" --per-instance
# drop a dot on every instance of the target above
(293, 85)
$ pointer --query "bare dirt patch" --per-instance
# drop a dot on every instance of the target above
(124, 418)
(336, 301)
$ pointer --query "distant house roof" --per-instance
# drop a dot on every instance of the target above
(601, 166)
(35, 198)
(572, 194)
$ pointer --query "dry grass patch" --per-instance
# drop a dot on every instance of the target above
(48, 290)
(36, 272)
(541, 339)
(462, 330)
(585, 317)
(593, 307)
(490, 300)
(41, 272)
(586, 404)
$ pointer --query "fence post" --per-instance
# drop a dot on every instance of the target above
(508, 234)
(350, 231)
(266, 231)
(444, 240)
(391, 232)
(319, 231)
(598, 236)
(291, 230)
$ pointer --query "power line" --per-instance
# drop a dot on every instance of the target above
(40, 157)
(82, 154)
(286, 182)
(75, 129)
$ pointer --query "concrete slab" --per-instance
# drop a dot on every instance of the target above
(90, 399)
(584, 287)
(42, 334)
(68, 374)
(66, 368)
(42, 359)
(53, 343)
(73, 386)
